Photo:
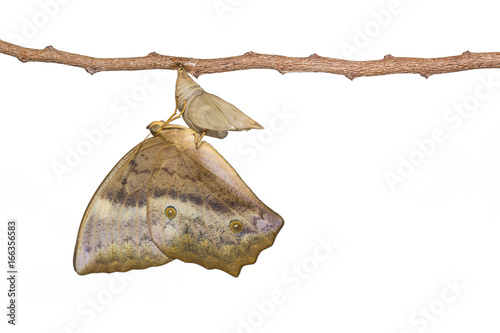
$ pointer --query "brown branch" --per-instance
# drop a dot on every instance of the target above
(251, 60)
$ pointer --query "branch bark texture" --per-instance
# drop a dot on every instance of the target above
(251, 60)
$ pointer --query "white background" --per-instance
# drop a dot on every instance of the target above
(422, 255)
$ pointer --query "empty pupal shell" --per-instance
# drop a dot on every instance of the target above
(207, 112)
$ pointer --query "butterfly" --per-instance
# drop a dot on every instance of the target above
(170, 198)
(205, 113)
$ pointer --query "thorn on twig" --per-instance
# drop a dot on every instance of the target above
(281, 71)
(388, 56)
(50, 48)
(350, 76)
(467, 52)
(314, 55)
(250, 53)
(426, 75)
(91, 70)
(153, 54)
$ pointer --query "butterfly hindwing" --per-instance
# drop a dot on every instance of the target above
(208, 195)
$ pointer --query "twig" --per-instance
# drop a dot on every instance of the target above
(251, 60)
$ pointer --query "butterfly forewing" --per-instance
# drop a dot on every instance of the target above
(114, 233)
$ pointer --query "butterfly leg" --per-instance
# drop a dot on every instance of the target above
(198, 137)
(173, 116)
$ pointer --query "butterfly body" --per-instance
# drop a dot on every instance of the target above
(169, 199)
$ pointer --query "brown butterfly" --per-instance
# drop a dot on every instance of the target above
(206, 113)
(169, 199)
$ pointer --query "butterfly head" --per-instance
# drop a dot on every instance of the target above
(155, 126)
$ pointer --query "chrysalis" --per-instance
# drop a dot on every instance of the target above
(208, 114)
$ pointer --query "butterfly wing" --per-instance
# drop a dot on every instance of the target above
(167, 199)
(200, 211)
(114, 234)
